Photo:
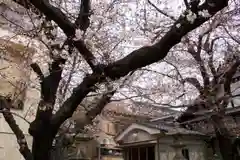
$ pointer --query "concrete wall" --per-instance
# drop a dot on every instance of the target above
(195, 145)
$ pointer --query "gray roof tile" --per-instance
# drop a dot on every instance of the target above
(171, 130)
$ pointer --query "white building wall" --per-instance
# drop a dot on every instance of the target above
(196, 148)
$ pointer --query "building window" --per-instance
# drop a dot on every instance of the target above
(185, 153)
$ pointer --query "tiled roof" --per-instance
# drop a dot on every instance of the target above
(172, 130)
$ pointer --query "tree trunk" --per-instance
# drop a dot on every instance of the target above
(42, 142)
(41, 148)
(224, 139)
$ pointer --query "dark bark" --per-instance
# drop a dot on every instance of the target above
(42, 143)
(83, 20)
(5, 110)
(197, 56)
(41, 129)
(224, 139)
(195, 83)
(70, 105)
(145, 55)
(228, 76)
(208, 47)
(46, 125)
(100, 105)
(86, 53)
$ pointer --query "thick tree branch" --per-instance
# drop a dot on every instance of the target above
(86, 53)
(195, 83)
(151, 54)
(229, 75)
(79, 93)
(40, 128)
(35, 67)
(186, 4)
(145, 55)
(208, 47)
(197, 56)
(49, 86)
(83, 20)
(202, 68)
(137, 59)
(224, 138)
(69, 28)
(193, 5)
(5, 108)
(96, 110)
(70, 105)
(100, 105)
(55, 14)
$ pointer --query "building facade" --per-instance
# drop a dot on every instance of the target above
(162, 142)
(101, 143)
(15, 78)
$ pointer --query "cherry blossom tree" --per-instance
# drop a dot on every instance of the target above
(207, 81)
(90, 33)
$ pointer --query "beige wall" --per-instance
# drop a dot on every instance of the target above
(9, 147)
(139, 136)
(163, 150)
(14, 71)
(87, 147)
(195, 145)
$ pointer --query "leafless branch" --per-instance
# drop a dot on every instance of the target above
(229, 75)
(231, 36)
(195, 83)
(24, 150)
(162, 12)
(83, 20)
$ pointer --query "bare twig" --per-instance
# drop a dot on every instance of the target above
(162, 12)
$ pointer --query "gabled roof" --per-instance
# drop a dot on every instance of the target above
(134, 126)
(157, 129)
(171, 130)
